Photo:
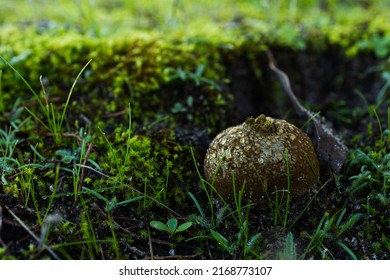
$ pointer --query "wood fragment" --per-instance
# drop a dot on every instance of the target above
(329, 146)
(133, 249)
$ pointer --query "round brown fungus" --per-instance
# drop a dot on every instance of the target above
(256, 152)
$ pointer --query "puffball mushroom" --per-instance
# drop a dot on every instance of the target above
(254, 155)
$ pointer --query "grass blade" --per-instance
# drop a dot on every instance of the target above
(197, 205)
(349, 224)
(70, 93)
(353, 256)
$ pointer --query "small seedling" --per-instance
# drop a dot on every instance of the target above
(330, 229)
(171, 226)
(222, 241)
(113, 203)
(197, 76)
(54, 121)
(289, 251)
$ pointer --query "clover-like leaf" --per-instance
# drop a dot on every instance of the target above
(184, 226)
(159, 225)
(172, 225)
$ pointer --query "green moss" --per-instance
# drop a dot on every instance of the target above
(137, 69)
(142, 165)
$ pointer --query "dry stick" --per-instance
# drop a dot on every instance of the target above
(329, 146)
(176, 257)
(41, 243)
(69, 135)
(133, 249)
(150, 239)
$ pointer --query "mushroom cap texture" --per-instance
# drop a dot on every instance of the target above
(255, 152)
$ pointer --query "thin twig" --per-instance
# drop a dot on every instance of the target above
(41, 243)
(69, 135)
(283, 78)
(150, 239)
(329, 146)
(134, 249)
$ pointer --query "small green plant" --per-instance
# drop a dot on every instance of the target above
(372, 163)
(8, 164)
(207, 188)
(113, 202)
(289, 251)
(248, 245)
(88, 233)
(223, 242)
(374, 171)
(329, 230)
(281, 199)
(181, 108)
(172, 226)
(197, 76)
(242, 241)
(54, 120)
(241, 216)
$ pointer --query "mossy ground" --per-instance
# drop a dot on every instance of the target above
(164, 79)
